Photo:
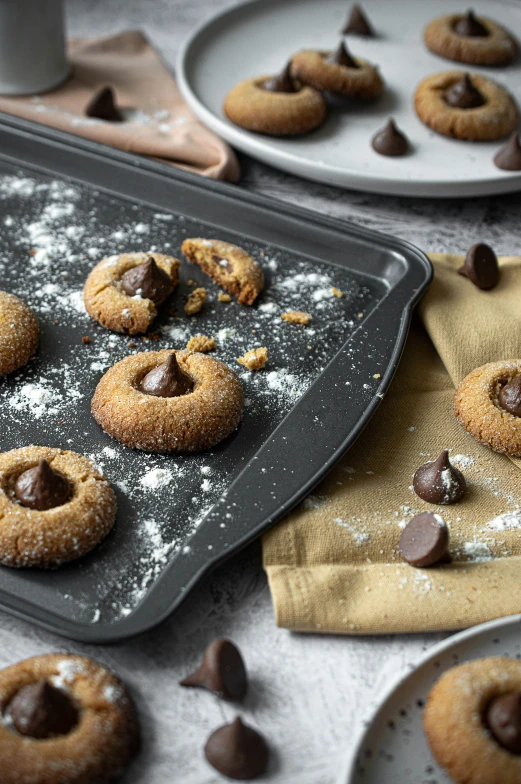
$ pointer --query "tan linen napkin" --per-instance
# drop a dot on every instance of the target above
(333, 564)
(157, 123)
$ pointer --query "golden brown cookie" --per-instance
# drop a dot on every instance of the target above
(478, 408)
(490, 44)
(18, 333)
(228, 265)
(51, 536)
(282, 113)
(496, 117)
(456, 718)
(97, 739)
(190, 422)
(107, 301)
(314, 68)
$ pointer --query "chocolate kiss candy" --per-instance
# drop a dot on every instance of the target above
(425, 540)
(40, 711)
(167, 380)
(463, 95)
(281, 83)
(510, 396)
(342, 57)
(481, 267)
(222, 671)
(42, 487)
(147, 279)
(438, 482)
(237, 751)
(390, 141)
(509, 156)
(503, 718)
(358, 24)
(469, 26)
(103, 107)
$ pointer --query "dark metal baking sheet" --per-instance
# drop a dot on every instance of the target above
(179, 516)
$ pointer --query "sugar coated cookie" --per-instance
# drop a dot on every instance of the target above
(18, 333)
(275, 105)
(488, 405)
(168, 401)
(228, 265)
(54, 506)
(465, 106)
(65, 719)
(124, 292)
(337, 72)
(472, 721)
(470, 39)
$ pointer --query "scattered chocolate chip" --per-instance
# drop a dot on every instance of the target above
(470, 27)
(390, 140)
(103, 106)
(41, 711)
(132, 344)
(281, 83)
(167, 380)
(510, 396)
(85, 339)
(463, 95)
(481, 267)
(237, 751)
(438, 482)
(342, 57)
(503, 719)
(424, 540)
(358, 23)
(148, 280)
(509, 156)
(222, 671)
(42, 487)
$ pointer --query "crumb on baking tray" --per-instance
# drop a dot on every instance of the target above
(201, 343)
(254, 359)
(195, 301)
(296, 317)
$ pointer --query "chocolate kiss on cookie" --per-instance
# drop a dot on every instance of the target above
(425, 540)
(503, 719)
(167, 380)
(438, 482)
(237, 751)
(148, 280)
(342, 57)
(358, 23)
(390, 140)
(222, 671)
(509, 156)
(41, 711)
(103, 106)
(463, 95)
(470, 27)
(481, 267)
(42, 487)
(281, 83)
(510, 396)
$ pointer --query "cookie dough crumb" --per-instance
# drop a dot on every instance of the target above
(201, 343)
(223, 297)
(195, 301)
(254, 359)
(337, 292)
(296, 317)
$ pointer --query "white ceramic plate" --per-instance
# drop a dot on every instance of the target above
(258, 37)
(393, 748)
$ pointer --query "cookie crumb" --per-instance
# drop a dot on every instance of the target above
(201, 343)
(195, 301)
(85, 339)
(255, 359)
(223, 297)
(377, 375)
(296, 317)
(132, 344)
(337, 292)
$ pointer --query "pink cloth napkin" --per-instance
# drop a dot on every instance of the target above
(157, 121)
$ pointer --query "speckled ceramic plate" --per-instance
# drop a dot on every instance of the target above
(392, 748)
(255, 38)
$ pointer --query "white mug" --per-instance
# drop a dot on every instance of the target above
(32, 46)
